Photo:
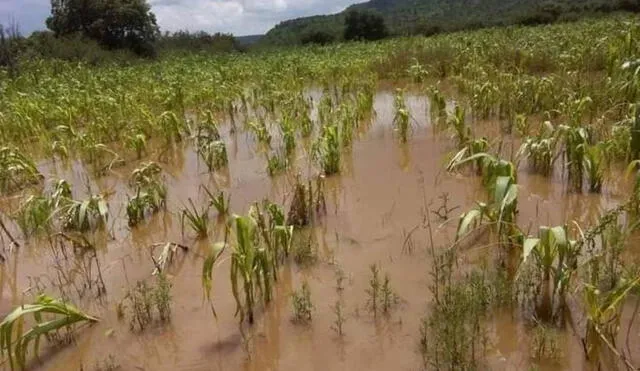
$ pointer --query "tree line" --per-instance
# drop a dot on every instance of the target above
(97, 30)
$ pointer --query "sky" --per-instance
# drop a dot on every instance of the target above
(240, 17)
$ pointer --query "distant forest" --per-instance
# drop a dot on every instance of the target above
(427, 17)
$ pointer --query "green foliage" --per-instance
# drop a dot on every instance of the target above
(218, 201)
(64, 316)
(556, 259)
(453, 335)
(16, 170)
(198, 42)
(317, 37)
(151, 193)
(430, 17)
(126, 24)
(197, 219)
(401, 118)
(257, 243)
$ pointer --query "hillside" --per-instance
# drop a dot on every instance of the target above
(405, 17)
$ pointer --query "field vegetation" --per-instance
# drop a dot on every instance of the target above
(561, 102)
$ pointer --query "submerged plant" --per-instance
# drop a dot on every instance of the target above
(218, 201)
(328, 151)
(556, 258)
(401, 118)
(302, 305)
(85, 215)
(214, 154)
(16, 348)
(16, 170)
(151, 193)
(257, 242)
(197, 219)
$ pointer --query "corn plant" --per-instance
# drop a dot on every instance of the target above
(65, 316)
(457, 123)
(257, 243)
(218, 201)
(575, 146)
(172, 127)
(438, 106)
(541, 150)
(196, 219)
(259, 129)
(85, 215)
(151, 193)
(595, 161)
(34, 215)
(16, 170)
(250, 267)
(604, 312)
(328, 151)
(401, 118)
(277, 163)
(138, 143)
(556, 257)
(214, 154)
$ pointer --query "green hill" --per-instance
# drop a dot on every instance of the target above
(405, 17)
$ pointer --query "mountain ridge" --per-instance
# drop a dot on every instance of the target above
(406, 17)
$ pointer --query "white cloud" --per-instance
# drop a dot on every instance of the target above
(240, 17)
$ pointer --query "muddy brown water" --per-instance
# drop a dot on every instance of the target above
(379, 198)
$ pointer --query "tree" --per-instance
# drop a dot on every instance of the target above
(9, 48)
(364, 25)
(113, 23)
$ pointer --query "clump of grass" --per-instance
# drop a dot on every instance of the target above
(144, 300)
(381, 295)
(302, 305)
(546, 343)
(141, 301)
(162, 297)
(305, 250)
(388, 297)
(374, 289)
(15, 348)
(340, 319)
(453, 336)
(306, 203)
(108, 364)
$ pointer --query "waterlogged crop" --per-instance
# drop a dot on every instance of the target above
(555, 106)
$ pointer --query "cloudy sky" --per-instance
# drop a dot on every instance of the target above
(240, 17)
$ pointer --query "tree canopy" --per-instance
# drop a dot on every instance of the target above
(113, 23)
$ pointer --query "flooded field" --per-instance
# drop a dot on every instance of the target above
(467, 201)
(375, 215)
